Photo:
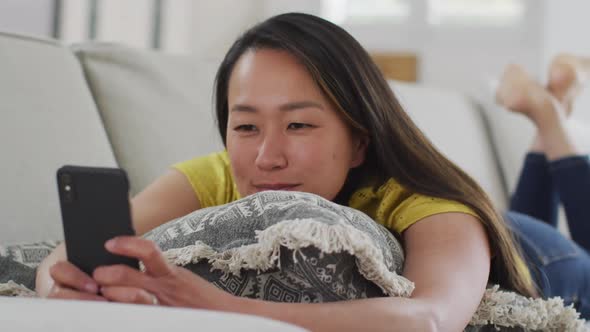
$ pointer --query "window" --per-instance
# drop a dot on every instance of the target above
(475, 12)
(365, 11)
(431, 12)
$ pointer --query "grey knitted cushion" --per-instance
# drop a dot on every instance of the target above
(287, 247)
(299, 247)
(19, 262)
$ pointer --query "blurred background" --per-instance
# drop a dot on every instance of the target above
(459, 44)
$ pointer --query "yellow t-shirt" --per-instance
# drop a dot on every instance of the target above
(391, 205)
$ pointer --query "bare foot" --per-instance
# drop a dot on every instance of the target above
(520, 93)
(567, 75)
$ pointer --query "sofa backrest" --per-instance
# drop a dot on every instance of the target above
(157, 109)
(455, 125)
(47, 119)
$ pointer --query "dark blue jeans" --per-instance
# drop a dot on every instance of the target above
(560, 266)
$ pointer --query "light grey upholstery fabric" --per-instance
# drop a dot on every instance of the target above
(456, 127)
(157, 108)
(47, 119)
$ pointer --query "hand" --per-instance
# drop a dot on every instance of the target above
(162, 283)
(73, 284)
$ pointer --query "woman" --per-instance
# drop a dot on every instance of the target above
(300, 106)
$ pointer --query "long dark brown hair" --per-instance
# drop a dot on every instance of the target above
(397, 148)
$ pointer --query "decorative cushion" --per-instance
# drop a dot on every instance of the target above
(19, 262)
(287, 247)
(299, 247)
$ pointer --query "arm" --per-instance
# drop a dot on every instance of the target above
(448, 258)
(170, 196)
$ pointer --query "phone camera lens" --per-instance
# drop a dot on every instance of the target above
(66, 178)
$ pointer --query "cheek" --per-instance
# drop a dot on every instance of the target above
(241, 160)
(327, 156)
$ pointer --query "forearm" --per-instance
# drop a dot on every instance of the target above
(43, 281)
(376, 314)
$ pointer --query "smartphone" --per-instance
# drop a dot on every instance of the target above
(94, 208)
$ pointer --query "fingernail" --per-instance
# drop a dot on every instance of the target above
(110, 244)
(90, 287)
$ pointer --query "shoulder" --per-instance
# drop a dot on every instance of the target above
(212, 160)
(397, 207)
(210, 177)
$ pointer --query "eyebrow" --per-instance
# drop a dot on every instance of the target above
(293, 106)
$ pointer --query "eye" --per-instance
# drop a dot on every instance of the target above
(245, 127)
(297, 125)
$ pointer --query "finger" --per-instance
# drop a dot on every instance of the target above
(129, 295)
(68, 275)
(58, 292)
(121, 275)
(142, 249)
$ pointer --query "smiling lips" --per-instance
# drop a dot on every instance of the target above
(275, 186)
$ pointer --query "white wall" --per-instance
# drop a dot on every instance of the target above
(32, 17)
(464, 59)
(207, 27)
(565, 29)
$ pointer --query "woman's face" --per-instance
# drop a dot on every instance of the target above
(282, 132)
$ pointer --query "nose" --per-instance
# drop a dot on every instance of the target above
(271, 153)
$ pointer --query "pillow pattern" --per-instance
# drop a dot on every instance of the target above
(19, 262)
(287, 247)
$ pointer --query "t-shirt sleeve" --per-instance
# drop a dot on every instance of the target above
(211, 179)
(417, 207)
(399, 208)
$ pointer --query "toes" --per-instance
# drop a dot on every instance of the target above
(513, 88)
(563, 80)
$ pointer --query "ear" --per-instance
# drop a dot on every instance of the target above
(360, 151)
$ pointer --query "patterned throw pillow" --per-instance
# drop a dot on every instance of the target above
(299, 247)
(287, 247)
(19, 262)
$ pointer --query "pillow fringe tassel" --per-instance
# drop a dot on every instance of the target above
(297, 234)
(503, 309)
(509, 309)
(11, 288)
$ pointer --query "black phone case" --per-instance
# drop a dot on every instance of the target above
(95, 208)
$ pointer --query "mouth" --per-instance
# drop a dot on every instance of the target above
(276, 186)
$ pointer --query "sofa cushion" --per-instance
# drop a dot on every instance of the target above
(47, 119)
(513, 134)
(157, 108)
(456, 127)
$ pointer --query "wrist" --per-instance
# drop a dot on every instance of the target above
(225, 301)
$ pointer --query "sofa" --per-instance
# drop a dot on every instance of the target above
(109, 105)
(101, 104)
